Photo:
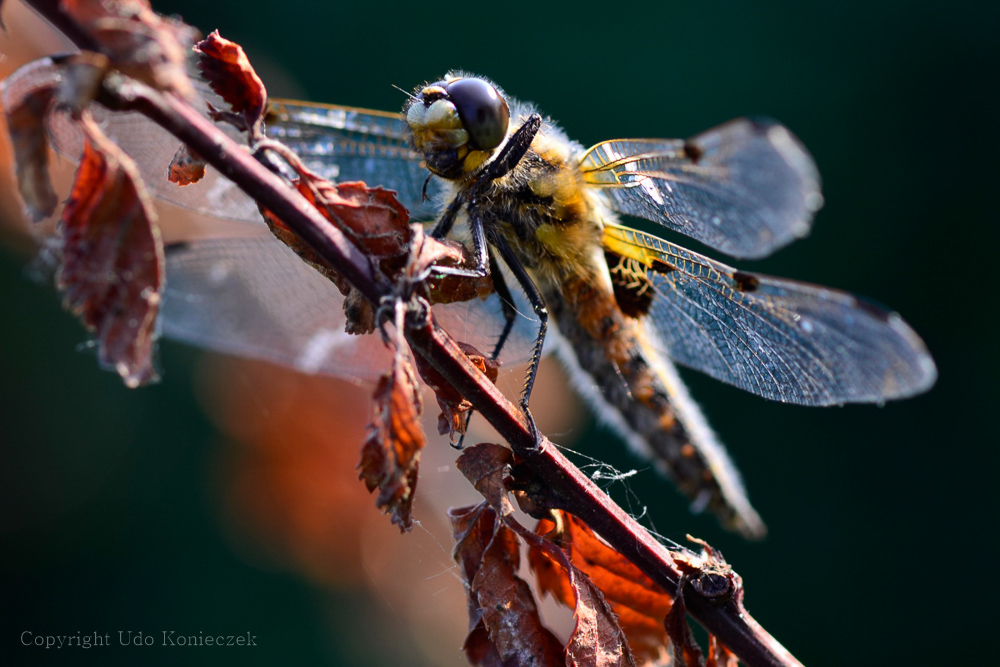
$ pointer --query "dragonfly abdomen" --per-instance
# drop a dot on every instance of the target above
(637, 392)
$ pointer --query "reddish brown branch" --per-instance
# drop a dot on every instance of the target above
(569, 488)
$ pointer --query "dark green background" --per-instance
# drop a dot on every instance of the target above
(883, 520)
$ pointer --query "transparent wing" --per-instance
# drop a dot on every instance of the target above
(253, 297)
(340, 143)
(348, 144)
(782, 340)
(745, 188)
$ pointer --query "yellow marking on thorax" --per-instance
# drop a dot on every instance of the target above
(623, 241)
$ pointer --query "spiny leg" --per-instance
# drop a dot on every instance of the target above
(538, 305)
(509, 316)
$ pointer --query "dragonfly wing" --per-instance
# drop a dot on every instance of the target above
(348, 144)
(254, 297)
(780, 339)
(745, 188)
(339, 143)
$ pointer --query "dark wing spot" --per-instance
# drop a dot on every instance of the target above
(693, 151)
(746, 282)
(632, 287)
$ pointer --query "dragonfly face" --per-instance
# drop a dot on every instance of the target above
(626, 304)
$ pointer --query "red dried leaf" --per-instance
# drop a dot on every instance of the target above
(499, 601)
(229, 73)
(686, 652)
(112, 257)
(638, 602)
(390, 457)
(454, 407)
(138, 41)
(719, 655)
(186, 167)
(484, 465)
(26, 124)
(598, 639)
(472, 529)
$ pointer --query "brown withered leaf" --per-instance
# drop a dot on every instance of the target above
(637, 601)
(390, 457)
(372, 217)
(598, 639)
(500, 602)
(229, 73)
(112, 269)
(186, 167)
(719, 655)
(484, 466)
(138, 41)
(26, 124)
(685, 650)
(454, 407)
(472, 529)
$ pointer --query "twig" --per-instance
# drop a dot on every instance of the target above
(576, 493)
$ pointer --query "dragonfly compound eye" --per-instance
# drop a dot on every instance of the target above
(483, 111)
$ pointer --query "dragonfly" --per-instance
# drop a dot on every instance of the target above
(545, 215)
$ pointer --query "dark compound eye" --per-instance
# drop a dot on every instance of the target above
(483, 111)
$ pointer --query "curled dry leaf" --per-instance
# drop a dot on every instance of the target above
(686, 652)
(372, 217)
(485, 466)
(138, 41)
(26, 124)
(390, 457)
(112, 269)
(454, 407)
(229, 73)
(598, 638)
(186, 167)
(637, 601)
(505, 628)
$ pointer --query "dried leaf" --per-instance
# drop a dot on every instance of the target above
(186, 167)
(484, 465)
(454, 407)
(390, 457)
(638, 602)
(113, 269)
(138, 41)
(229, 73)
(499, 601)
(598, 639)
(26, 124)
(686, 652)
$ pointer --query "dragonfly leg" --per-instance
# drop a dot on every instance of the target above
(538, 305)
(509, 316)
(480, 251)
(506, 304)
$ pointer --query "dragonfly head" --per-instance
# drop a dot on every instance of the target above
(457, 124)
